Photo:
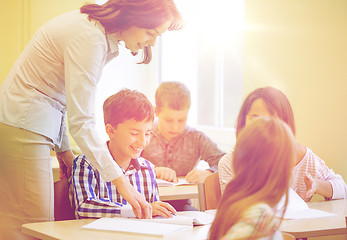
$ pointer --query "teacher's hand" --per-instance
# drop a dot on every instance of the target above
(65, 160)
(141, 208)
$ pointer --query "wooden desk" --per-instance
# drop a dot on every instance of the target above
(72, 230)
(299, 228)
(317, 227)
(167, 193)
(190, 191)
(339, 207)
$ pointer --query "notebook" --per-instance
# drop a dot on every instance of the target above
(190, 218)
(297, 208)
(181, 181)
(136, 226)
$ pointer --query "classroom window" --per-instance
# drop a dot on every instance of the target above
(207, 55)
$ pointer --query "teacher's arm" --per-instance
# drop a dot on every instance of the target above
(84, 60)
(141, 207)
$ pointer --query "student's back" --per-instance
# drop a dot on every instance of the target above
(263, 163)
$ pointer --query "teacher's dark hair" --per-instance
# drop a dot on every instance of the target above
(120, 15)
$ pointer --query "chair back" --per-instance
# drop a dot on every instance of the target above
(209, 192)
(62, 206)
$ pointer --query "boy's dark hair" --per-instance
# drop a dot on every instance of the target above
(174, 95)
(126, 105)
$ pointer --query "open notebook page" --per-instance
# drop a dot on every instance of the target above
(136, 226)
(298, 209)
(192, 218)
(181, 181)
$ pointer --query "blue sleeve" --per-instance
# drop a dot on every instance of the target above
(86, 192)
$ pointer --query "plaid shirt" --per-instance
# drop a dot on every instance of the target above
(183, 152)
(92, 197)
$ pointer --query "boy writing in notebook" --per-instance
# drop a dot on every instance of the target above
(175, 148)
(128, 117)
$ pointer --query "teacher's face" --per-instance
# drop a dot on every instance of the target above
(137, 38)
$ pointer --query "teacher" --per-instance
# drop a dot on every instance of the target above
(55, 78)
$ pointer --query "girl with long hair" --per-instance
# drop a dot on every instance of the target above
(262, 163)
(310, 174)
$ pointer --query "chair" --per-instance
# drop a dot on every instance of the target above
(209, 192)
(287, 236)
(62, 206)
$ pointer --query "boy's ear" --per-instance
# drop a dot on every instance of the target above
(110, 130)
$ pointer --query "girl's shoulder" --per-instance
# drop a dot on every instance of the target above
(258, 221)
(259, 210)
(226, 159)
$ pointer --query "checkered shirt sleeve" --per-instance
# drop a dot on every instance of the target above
(93, 197)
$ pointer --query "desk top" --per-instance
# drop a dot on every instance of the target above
(72, 230)
(339, 206)
(299, 228)
(316, 227)
(167, 193)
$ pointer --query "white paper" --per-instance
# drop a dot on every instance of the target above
(181, 181)
(175, 219)
(199, 218)
(190, 218)
(307, 213)
(127, 212)
(297, 208)
(135, 226)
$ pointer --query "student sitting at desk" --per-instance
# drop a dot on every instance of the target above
(310, 174)
(128, 117)
(175, 148)
(262, 163)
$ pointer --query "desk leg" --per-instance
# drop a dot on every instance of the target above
(202, 199)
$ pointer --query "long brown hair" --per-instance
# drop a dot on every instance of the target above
(276, 103)
(120, 15)
(262, 163)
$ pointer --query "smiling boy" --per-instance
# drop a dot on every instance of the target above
(128, 117)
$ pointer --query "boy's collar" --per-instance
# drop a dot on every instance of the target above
(135, 163)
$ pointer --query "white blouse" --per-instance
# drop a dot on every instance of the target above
(56, 75)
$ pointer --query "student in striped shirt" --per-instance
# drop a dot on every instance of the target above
(310, 174)
(128, 117)
(262, 163)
